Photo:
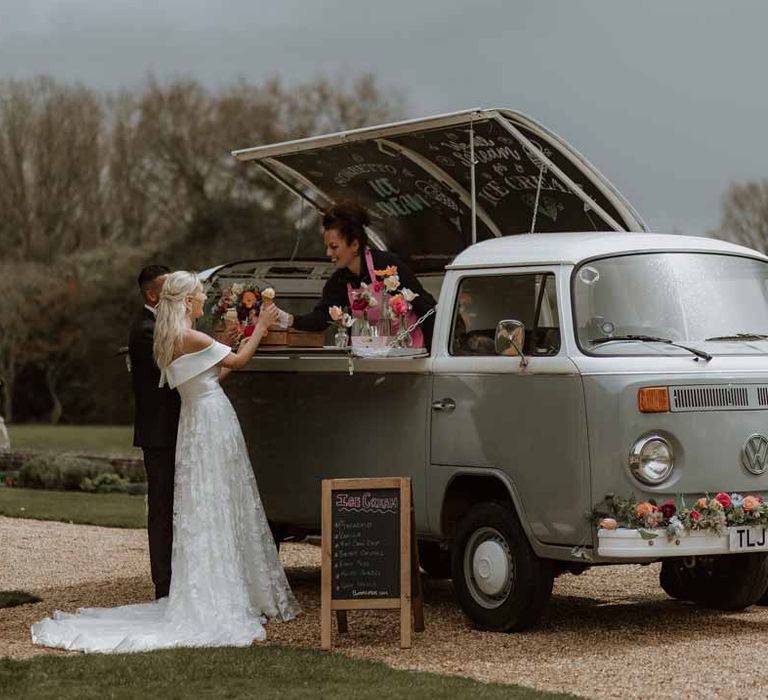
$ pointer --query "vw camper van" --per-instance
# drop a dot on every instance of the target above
(639, 375)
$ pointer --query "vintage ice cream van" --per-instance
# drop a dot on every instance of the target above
(578, 362)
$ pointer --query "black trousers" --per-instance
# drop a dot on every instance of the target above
(159, 464)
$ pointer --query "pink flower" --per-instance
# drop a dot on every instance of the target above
(359, 304)
(608, 524)
(336, 313)
(723, 499)
(399, 305)
(377, 287)
(695, 515)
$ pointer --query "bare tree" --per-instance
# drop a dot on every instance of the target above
(745, 215)
(19, 314)
(51, 152)
(53, 342)
(93, 186)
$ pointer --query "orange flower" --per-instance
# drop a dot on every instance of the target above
(249, 299)
(702, 503)
(643, 509)
(386, 272)
(608, 524)
(751, 504)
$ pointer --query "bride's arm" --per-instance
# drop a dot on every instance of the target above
(236, 360)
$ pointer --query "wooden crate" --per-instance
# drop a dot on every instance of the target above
(293, 338)
(305, 339)
(275, 336)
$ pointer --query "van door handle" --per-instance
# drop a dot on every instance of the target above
(443, 405)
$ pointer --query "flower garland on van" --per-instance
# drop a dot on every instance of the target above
(715, 513)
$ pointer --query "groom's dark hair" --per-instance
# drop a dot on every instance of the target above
(150, 273)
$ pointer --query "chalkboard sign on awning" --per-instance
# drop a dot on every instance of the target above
(416, 179)
(369, 559)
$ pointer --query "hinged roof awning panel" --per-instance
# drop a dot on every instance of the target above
(415, 179)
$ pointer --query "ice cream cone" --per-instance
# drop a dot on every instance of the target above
(268, 296)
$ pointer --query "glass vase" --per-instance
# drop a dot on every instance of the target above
(369, 330)
(403, 334)
(341, 338)
(363, 328)
(384, 325)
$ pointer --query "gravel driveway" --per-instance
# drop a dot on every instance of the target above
(610, 633)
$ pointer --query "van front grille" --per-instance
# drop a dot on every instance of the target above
(719, 397)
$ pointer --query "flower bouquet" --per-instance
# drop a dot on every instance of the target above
(365, 298)
(235, 312)
(396, 302)
(341, 320)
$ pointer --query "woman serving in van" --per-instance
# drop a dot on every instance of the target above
(346, 244)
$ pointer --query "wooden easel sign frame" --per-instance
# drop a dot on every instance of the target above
(368, 539)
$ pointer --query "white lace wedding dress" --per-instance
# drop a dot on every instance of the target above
(227, 579)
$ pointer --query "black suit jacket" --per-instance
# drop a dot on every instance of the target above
(156, 418)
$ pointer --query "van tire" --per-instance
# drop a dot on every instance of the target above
(763, 600)
(435, 560)
(517, 584)
(676, 580)
(734, 581)
(728, 582)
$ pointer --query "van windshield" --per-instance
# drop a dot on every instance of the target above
(672, 296)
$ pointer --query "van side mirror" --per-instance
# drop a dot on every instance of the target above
(510, 336)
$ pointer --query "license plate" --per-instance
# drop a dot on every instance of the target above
(748, 539)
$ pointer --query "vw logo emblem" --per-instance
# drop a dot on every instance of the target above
(754, 454)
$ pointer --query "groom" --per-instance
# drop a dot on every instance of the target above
(155, 423)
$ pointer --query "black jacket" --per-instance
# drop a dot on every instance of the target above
(335, 293)
(156, 418)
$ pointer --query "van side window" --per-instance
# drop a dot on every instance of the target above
(484, 301)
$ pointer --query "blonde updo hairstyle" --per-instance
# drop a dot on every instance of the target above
(174, 306)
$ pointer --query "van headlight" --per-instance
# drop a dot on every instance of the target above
(652, 459)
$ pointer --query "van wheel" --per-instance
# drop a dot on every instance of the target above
(727, 582)
(676, 580)
(435, 560)
(763, 600)
(500, 583)
(734, 581)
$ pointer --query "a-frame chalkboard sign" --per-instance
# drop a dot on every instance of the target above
(369, 555)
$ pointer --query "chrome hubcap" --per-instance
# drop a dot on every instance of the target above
(488, 567)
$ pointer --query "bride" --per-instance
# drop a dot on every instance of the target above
(227, 579)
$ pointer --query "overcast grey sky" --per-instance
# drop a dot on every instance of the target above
(667, 97)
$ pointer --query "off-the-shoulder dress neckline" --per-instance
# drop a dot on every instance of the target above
(196, 352)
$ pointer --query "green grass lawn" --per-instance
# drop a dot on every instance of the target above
(262, 672)
(90, 439)
(107, 509)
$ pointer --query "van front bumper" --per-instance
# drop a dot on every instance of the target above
(626, 543)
